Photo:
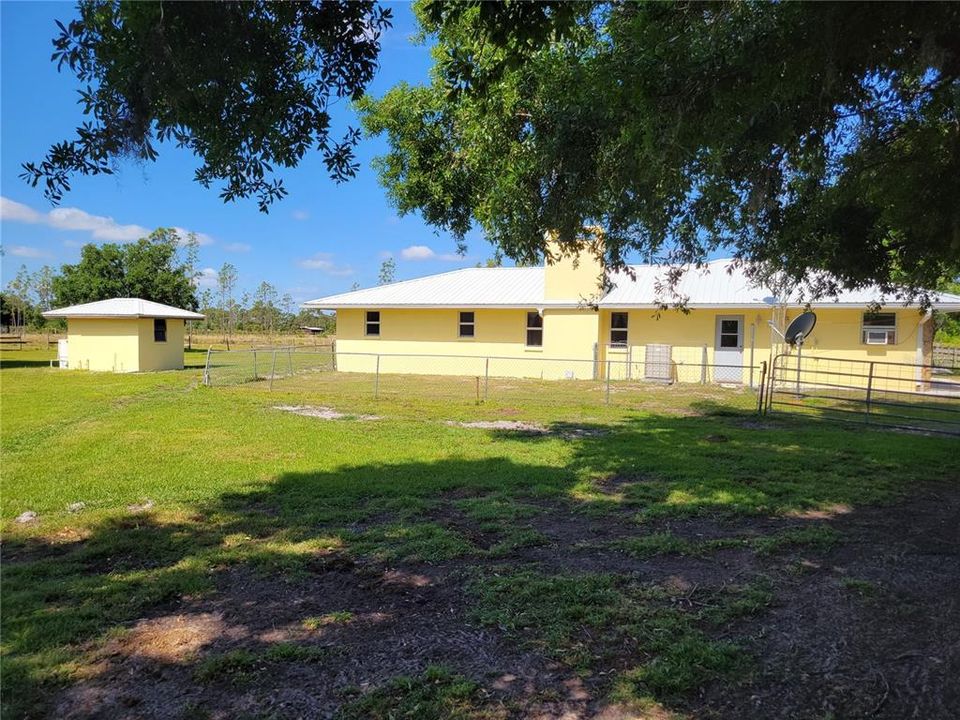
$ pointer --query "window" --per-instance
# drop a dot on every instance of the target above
(730, 334)
(534, 330)
(373, 323)
(467, 324)
(618, 329)
(879, 329)
(159, 330)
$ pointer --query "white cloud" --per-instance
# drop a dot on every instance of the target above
(423, 252)
(384, 254)
(324, 262)
(301, 215)
(237, 247)
(17, 212)
(207, 278)
(183, 235)
(25, 251)
(100, 227)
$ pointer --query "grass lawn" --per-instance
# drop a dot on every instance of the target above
(200, 553)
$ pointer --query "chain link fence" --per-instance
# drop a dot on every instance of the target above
(482, 379)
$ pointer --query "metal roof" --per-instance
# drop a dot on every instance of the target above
(718, 284)
(470, 287)
(123, 308)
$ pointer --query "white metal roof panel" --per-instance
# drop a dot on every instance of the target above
(123, 308)
(718, 284)
(721, 284)
(469, 287)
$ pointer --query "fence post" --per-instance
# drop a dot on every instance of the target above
(376, 381)
(763, 378)
(608, 383)
(206, 369)
(486, 380)
(703, 366)
(254, 364)
(273, 368)
(869, 389)
(290, 361)
(478, 389)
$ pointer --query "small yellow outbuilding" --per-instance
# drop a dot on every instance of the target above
(123, 335)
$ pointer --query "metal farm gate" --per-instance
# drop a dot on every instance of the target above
(879, 393)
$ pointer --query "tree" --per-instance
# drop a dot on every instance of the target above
(150, 268)
(18, 297)
(43, 288)
(264, 310)
(388, 271)
(810, 136)
(226, 284)
(246, 86)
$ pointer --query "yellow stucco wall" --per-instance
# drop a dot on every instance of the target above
(500, 335)
(409, 336)
(103, 344)
(573, 278)
(123, 345)
(161, 355)
(837, 335)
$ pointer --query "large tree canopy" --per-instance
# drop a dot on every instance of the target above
(151, 268)
(802, 136)
(246, 86)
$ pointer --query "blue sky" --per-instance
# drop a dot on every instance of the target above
(321, 239)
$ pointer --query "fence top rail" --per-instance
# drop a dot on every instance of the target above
(268, 348)
(533, 358)
(816, 358)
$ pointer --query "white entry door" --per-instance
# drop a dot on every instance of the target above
(728, 350)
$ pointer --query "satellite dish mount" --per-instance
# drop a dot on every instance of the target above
(797, 332)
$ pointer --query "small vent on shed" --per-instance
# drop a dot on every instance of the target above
(657, 365)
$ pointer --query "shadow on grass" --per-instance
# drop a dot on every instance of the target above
(10, 364)
(253, 565)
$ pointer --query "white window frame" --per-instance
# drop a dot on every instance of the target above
(472, 324)
(718, 333)
(367, 322)
(529, 327)
(870, 334)
(625, 330)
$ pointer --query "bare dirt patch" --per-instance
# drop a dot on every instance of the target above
(568, 431)
(870, 628)
(323, 413)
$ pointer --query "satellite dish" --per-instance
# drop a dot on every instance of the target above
(800, 328)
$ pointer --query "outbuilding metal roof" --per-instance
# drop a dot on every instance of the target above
(123, 308)
(715, 285)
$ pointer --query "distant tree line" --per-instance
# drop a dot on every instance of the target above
(161, 267)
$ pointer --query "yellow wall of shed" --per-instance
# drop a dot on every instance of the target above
(123, 345)
(104, 344)
(161, 355)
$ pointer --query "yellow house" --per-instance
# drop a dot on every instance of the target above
(124, 335)
(558, 322)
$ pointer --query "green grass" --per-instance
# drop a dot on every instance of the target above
(235, 482)
(239, 666)
(585, 620)
(436, 695)
(340, 617)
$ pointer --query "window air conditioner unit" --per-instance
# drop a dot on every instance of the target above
(877, 337)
